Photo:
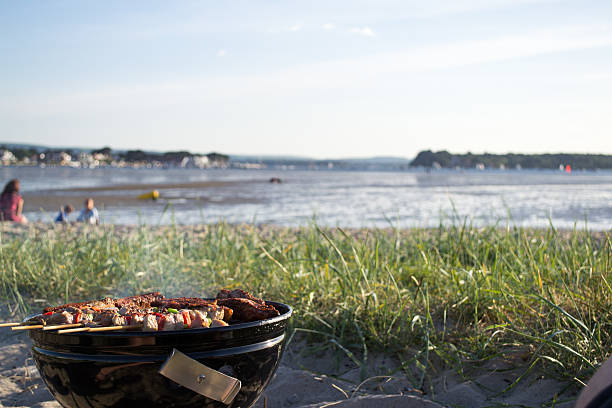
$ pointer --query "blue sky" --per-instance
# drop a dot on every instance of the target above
(312, 78)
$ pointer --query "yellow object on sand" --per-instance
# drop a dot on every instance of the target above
(151, 195)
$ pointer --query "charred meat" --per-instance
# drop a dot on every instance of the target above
(238, 293)
(247, 310)
(245, 307)
(145, 300)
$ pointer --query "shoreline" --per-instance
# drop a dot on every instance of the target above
(15, 229)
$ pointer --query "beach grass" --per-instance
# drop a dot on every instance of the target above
(452, 295)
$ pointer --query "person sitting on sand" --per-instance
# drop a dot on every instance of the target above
(89, 214)
(62, 216)
(11, 203)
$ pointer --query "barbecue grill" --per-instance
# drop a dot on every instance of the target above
(209, 367)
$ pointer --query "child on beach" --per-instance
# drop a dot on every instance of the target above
(62, 216)
(11, 203)
(89, 214)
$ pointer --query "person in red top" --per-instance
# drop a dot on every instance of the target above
(11, 203)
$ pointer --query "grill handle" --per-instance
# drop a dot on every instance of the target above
(194, 375)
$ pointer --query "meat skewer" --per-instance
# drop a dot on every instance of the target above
(108, 328)
(80, 329)
(28, 327)
(62, 326)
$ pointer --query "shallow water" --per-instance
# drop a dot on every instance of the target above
(334, 198)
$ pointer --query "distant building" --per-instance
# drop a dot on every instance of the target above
(201, 162)
(7, 157)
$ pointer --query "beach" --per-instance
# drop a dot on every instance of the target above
(304, 381)
(381, 316)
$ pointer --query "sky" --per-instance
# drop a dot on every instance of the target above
(316, 78)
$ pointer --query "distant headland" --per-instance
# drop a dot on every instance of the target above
(444, 159)
(12, 154)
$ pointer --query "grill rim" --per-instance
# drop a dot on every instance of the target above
(156, 358)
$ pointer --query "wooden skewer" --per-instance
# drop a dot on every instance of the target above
(80, 329)
(63, 326)
(111, 328)
(33, 326)
(9, 324)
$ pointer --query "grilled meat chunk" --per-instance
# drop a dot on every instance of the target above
(131, 310)
(149, 323)
(63, 317)
(227, 313)
(118, 320)
(102, 303)
(140, 301)
(104, 317)
(216, 312)
(171, 321)
(218, 323)
(163, 322)
(183, 303)
(60, 318)
(198, 319)
(245, 306)
(248, 310)
(238, 293)
(137, 319)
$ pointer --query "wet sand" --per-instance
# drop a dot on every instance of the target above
(126, 195)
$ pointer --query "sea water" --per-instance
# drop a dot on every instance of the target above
(412, 198)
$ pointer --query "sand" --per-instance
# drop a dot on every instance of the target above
(313, 380)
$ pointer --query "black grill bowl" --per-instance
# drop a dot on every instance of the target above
(120, 369)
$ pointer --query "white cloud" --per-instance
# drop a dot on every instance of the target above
(296, 27)
(328, 26)
(597, 76)
(364, 31)
(221, 53)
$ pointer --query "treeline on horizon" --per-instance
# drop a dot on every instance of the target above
(21, 153)
(139, 155)
(444, 159)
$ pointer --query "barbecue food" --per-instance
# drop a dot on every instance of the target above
(153, 312)
(238, 293)
(144, 300)
(213, 310)
(247, 310)
(245, 306)
(106, 302)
